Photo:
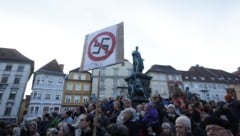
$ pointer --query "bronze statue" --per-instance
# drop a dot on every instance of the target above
(137, 61)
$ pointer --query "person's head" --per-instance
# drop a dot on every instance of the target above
(117, 130)
(91, 107)
(47, 117)
(170, 108)
(183, 126)
(81, 109)
(215, 126)
(128, 114)
(67, 114)
(86, 121)
(32, 126)
(139, 107)
(177, 103)
(228, 97)
(64, 129)
(148, 106)
(116, 105)
(166, 128)
(127, 103)
(155, 98)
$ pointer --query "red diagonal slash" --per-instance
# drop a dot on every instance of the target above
(101, 46)
(108, 52)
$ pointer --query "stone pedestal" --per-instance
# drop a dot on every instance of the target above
(138, 88)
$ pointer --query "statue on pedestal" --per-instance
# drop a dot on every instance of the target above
(137, 61)
(138, 83)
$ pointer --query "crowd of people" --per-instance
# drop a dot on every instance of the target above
(178, 116)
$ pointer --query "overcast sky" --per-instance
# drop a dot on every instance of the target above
(180, 33)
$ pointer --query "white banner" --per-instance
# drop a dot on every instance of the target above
(104, 47)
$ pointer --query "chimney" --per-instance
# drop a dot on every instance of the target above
(61, 66)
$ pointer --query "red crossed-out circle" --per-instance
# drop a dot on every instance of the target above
(95, 42)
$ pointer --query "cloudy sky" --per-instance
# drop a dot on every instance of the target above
(180, 33)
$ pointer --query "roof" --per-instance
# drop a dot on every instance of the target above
(51, 68)
(78, 69)
(201, 74)
(13, 55)
(163, 69)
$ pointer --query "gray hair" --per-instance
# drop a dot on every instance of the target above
(185, 121)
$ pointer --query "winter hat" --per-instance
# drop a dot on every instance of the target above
(166, 125)
(212, 120)
(171, 105)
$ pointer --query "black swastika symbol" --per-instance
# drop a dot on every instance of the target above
(101, 46)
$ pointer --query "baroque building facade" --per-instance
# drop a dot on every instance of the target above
(77, 89)
(47, 89)
(15, 72)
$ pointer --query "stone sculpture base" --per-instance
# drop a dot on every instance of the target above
(138, 88)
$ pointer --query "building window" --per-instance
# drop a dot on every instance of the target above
(17, 80)
(154, 77)
(69, 86)
(56, 109)
(35, 95)
(85, 99)
(67, 99)
(12, 96)
(170, 77)
(76, 99)
(86, 87)
(42, 82)
(75, 76)
(57, 96)
(4, 79)
(177, 77)
(36, 110)
(83, 76)
(162, 77)
(38, 82)
(48, 96)
(78, 86)
(45, 110)
(8, 68)
(31, 110)
(8, 111)
(20, 68)
(60, 82)
(39, 96)
(1, 94)
(50, 82)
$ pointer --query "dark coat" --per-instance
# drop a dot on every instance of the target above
(133, 127)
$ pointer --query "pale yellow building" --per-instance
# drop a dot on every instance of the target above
(77, 89)
(110, 81)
